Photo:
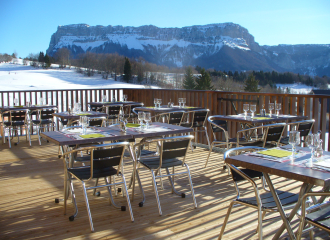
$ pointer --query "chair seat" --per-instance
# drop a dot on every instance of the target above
(85, 172)
(7, 124)
(268, 202)
(153, 162)
(45, 121)
(321, 217)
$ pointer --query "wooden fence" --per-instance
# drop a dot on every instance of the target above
(218, 102)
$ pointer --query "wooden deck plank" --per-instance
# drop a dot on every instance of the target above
(32, 177)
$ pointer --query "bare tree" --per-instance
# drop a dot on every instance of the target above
(62, 57)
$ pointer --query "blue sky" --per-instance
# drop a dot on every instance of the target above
(27, 25)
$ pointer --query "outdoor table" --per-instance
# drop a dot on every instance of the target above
(75, 116)
(114, 133)
(124, 103)
(284, 167)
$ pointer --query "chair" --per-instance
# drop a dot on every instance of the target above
(95, 108)
(44, 120)
(113, 112)
(263, 202)
(105, 161)
(130, 115)
(271, 136)
(97, 121)
(172, 154)
(12, 121)
(197, 121)
(219, 126)
(304, 127)
(170, 117)
(317, 215)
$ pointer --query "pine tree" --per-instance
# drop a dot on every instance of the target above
(251, 84)
(189, 80)
(203, 82)
(47, 61)
(127, 70)
(41, 57)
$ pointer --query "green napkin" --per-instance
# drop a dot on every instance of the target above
(18, 106)
(83, 114)
(132, 125)
(261, 118)
(276, 153)
(189, 107)
(93, 135)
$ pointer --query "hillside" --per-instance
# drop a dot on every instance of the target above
(223, 46)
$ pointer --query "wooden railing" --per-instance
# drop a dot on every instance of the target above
(218, 102)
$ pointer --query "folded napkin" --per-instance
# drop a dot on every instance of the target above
(18, 106)
(189, 107)
(261, 118)
(83, 114)
(132, 125)
(93, 135)
(276, 153)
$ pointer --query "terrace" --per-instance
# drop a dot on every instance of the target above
(32, 177)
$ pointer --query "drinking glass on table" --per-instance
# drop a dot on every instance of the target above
(278, 108)
(271, 108)
(294, 139)
(253, 108)
(180, 102)
(147, 119)
(183, 102)
(312, 143)
(159, 101)
(15, 102)
(141, 116)
(84, 123)
(125, 97)
(246, 108)
(155, 102)
(104, 98)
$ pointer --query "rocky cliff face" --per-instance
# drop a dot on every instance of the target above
(225, 46)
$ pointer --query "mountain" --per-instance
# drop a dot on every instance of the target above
(224, 46)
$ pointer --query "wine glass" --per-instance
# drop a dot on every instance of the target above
(104, 98)
(271, 108)
(155, 102)
(183, 102)
(147, 119)
(159, 101)
(246, 108)
(278, 108)
(141, 116)
(311, 141)
(180, 102)
(294, 139)
(125, 97)
(77, 107)
(253, 108)
(84, 123)
(15, 102)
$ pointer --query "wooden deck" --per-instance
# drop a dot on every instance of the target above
(32, 177)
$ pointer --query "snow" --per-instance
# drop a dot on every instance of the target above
(20, 77)
(296, 88)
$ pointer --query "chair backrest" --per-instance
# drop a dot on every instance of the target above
(45, 114)
(14, 117)
(96, 121)
(103, 156)
(170, 117)
(114, 110)
(198, 118)
(274, 132)
(130, 111)
(242, 174)
(95, 108)
(304, 127)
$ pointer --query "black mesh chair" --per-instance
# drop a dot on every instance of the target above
(44, 121)
(197, 121)
(174, 118)
(95, 108)
(130, 115)
(220, 126)
(317, 215)
(263, 202)
(304, 127)
(105, 161)
(113, 112)
(14, 121)
(271, 136)
(172, 154)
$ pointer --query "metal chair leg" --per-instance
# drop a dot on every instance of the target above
(226, 220)
(87, 206)
(156, 192)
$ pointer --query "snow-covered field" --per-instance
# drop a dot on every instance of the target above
(296, 88)
(20, 77)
